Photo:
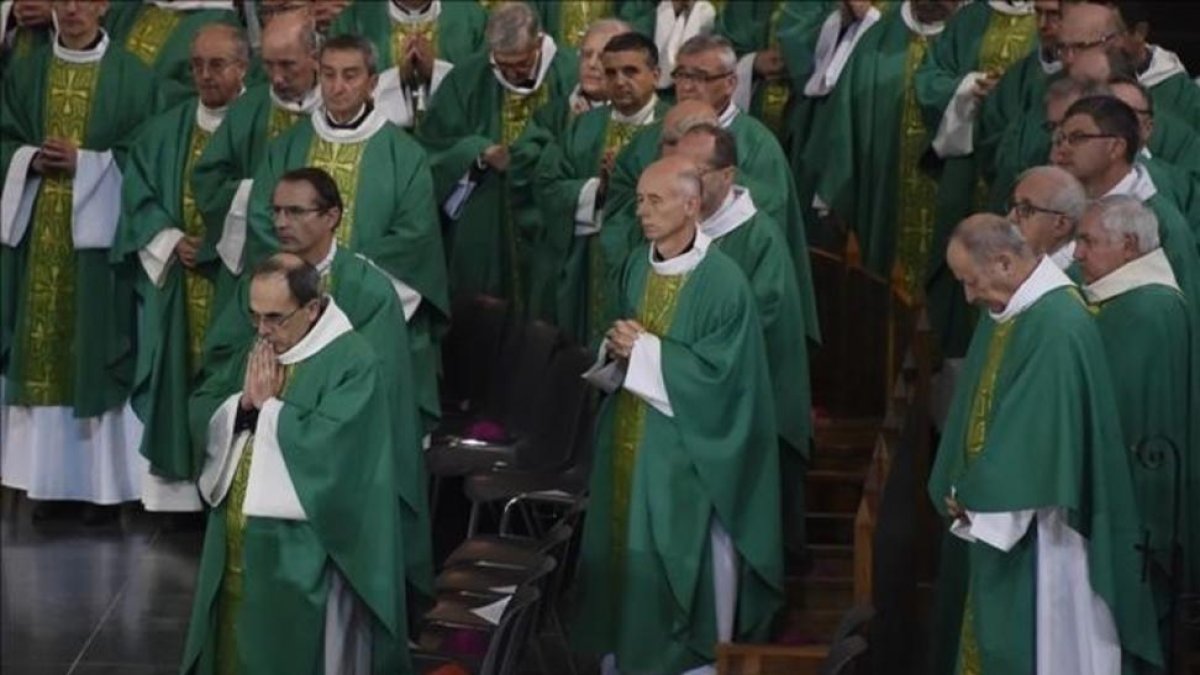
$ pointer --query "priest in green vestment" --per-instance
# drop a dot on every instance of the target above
(384, 179)
(706, 64)
(571, 280)
(66, 316)
(163, 242)
(591, 91)
(308, 210)
(682, 543)
(482, 156)
(1040, 570)
(737, 228)
(1147, 332)
(675, 23)
(419, 42)
(160, 32)
(224, 173)
(873, 177)
(568, 21)
(1046, 204)
(302, 564)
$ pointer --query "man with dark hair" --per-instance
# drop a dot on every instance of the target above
(299, 464)
(729, 217)
(164, 242)
(384, 179)
(572, 273)
(592, 89)
(308, 212)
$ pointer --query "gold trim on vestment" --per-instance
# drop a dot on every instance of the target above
(198, 289)
(343, 161)
(149, 33)
(916, 191)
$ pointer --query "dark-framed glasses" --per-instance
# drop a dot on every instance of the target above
(1066, 48)
(294, 212)
(1025, 209)
(272, 320)
(1075, 138)
(681, 75)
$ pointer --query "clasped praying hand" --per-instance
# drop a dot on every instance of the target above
(622, 336)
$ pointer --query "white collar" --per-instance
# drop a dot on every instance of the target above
(1064, 256)
(640, 118)
(1163, 64)
(332, 325)
(727, 115)
(576, 97)
(1137, 183)
(834, 48)
(82, 56)
(368, 127)
(684, 263)
(400, 15)
(208, 118)
(919, 27)
(190, 5)
(310, 102)
(1046, 277)
(545, 58)
(1012, 7)
(737, 209)
(1048, 67)
(326, 263)
(1145, 152)
(1152, 268)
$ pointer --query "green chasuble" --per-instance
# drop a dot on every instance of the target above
(268, 574)
(756, 245)
(177, 303)
(567, 21)
(871, 143)
(489, 243)
(762, 167)
(646, 568)
(162, 40)
(1171, 87)
(238, 146)
(1146, 327)
(366, 296)
(384, 181)
(456, 34)
(1034, 426)
(66, 316)
(570, 272)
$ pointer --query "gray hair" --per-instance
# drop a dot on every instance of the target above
(241, 46)
(688, 183)
(512, 27)
(1069, 197)
(987, 235)
(1122, 215)
(702, 43)
(354, 43)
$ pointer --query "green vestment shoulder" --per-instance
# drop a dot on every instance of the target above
(646, 572)
(459, 29)
(338, 451)
(1180, 95)
(101, 311)
(394, 224)
(1034, 425)
(556, 13)
(464, 118)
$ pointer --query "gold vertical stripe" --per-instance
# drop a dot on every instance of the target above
(616, 136)
(150, 32)
(197, 289)
(516, 111)
(916, 191)
(776, 93)
(343, 162)
(402, 33)
(985, 391)
(280, 121)
(577, 15)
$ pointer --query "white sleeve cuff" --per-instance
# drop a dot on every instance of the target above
(391, 98)
(156, 256)
(233, 234)
(998, 530)
(5, 7)
(19, 192)
(742, 92)
(645, 378)
(585, 208)
(95, 199)
(222, 452)
(956, 133)
(270, 492)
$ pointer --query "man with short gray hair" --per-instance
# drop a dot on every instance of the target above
(477, 132)
(1147, 328)
(1046, 204)
(1033, 479)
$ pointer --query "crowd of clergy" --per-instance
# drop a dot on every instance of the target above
(230, 233)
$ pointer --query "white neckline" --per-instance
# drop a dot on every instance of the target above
(326, 263)
(400, 15)
(1014, 8)
(727, 115)
(82, 56)
(640, 118)
(1064, 256)
(330, 326)
(1150, 269)
(311, 101)
(1136, 183)
(371, 124)
(737, 209)
(683, 263)
(208, 118)
(1046, 277)
(545, 59)
(919, 27)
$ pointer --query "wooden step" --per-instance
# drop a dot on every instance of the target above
(819, 624)
(832, 560)
(746, 659)
(826, 527)
(820, 593)
(833, 491)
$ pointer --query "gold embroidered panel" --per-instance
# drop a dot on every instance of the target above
(280, 121)
(149, 33)
(198, 290)
(516, 111)
(916, 193)
(577, 15)
(342, 161)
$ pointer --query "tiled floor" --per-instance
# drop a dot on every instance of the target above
(76, 600)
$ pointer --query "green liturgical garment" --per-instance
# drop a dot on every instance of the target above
(646, 568)
(456, 34)
(568, 20)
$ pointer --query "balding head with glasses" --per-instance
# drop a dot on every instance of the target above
(1088, 30)
(1046, 204)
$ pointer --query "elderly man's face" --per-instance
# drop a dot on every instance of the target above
(1086, 31)
(1098, 252)
(985, 284)
(663, 208)
(275, 314)
(704, 77)
(591, 68)
(630, 80)
(519, 67)
(1043, 228)
(345, 82)
(1049, 16)
(290, 66)
(217, 68)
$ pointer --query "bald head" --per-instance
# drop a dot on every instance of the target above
(684, 116)
(220, 56)
(668, 204)
(289, 54)
(1047, 203)
(989, 256)
(1087, 23)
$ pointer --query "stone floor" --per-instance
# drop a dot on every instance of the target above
(107, 600)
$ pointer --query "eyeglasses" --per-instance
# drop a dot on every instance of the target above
(1073, 139)
(211, 65)
(680, 75)
(1024, 210)
(1065, 48)
(272, 321)
(294, 212)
